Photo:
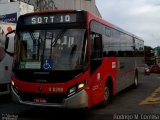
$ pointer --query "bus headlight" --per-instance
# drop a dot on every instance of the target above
(72, 91)
(81, 85)
(14, 86)
(12, 83)
(76, 88)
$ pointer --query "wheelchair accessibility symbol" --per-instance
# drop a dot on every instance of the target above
(47, 64)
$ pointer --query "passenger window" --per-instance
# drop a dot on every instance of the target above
(96, 45)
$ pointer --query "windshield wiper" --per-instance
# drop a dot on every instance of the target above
(60, 34)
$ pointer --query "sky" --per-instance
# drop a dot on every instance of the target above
(140, 17)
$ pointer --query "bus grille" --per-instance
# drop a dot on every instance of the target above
(37, 76)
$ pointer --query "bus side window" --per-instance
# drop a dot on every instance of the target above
(96, 45)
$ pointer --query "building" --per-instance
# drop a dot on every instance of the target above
(88, 5)
(10, 11)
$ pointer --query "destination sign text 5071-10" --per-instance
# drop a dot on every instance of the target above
(48, 19)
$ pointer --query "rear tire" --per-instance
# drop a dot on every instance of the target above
(135, 85)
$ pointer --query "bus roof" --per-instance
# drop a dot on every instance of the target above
(90, 16)
(98, 19)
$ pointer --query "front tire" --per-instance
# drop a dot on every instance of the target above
(107, 96)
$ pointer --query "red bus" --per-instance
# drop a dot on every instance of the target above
(72, 59)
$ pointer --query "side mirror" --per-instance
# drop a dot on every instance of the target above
(97, 42)
(7, 38)
(6, 43)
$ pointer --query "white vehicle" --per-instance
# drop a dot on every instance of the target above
(6, 60)
(8, 19)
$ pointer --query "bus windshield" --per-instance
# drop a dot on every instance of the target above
(57, 49)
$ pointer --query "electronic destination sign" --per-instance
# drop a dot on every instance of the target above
(50, 18)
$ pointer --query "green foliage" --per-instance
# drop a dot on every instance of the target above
(148, 51)
(158, 51)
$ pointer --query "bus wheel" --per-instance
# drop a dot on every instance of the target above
(135, 81)
(107, 96)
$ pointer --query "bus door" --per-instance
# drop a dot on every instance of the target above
(95, 66)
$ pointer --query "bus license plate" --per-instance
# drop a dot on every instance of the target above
(40, 100)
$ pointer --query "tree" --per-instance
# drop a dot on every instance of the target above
(149, 55)
(158, 51)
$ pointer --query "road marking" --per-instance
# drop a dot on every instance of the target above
(154, 98)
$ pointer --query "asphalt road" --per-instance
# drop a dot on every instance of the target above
(142, 103)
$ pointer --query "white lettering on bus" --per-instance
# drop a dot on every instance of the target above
(113, 65)
(33, 20)
(46, 19)
(55, 89)
(39, 20)
(50, 19)
(65, 18)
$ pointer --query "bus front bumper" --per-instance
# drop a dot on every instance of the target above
(78, 100)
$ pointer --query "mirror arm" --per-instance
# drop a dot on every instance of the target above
(13, 31)
(9, 53)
